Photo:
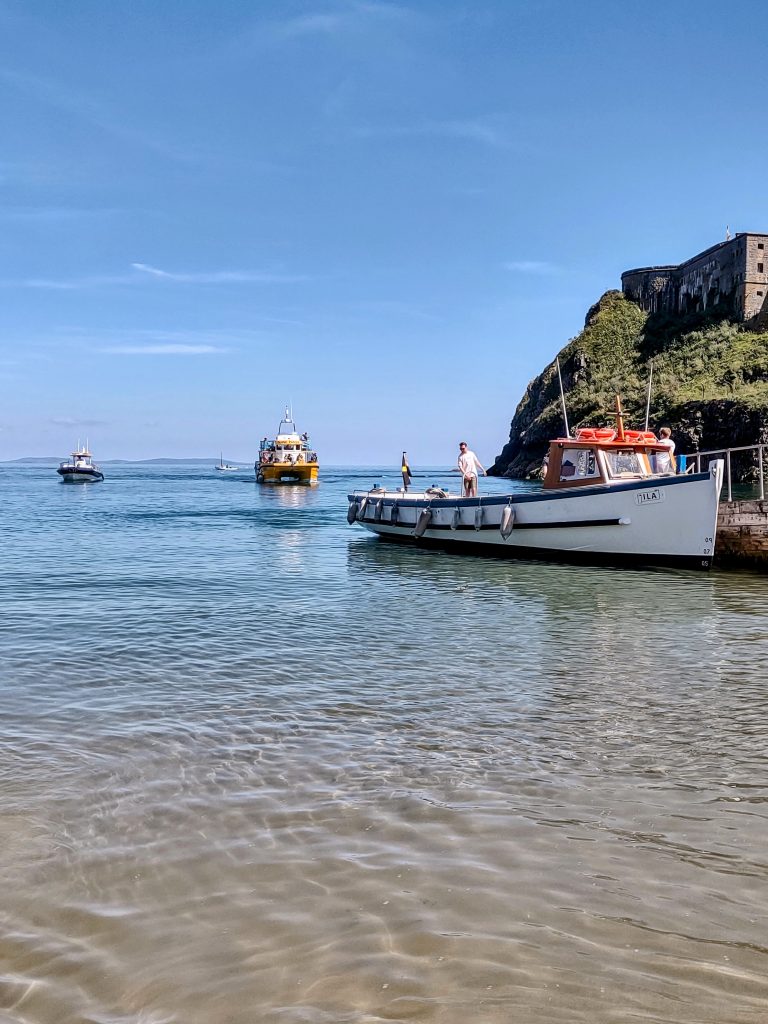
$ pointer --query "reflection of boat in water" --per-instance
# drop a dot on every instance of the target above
(80, 468)
(533, 584)
(601, 501)
(288, 458)
(224, 467)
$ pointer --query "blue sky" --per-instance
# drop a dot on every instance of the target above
(392, 214)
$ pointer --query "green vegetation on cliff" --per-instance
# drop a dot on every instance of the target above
(710, 382)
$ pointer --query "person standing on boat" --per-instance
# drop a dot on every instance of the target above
(665, 461)
(469, 464)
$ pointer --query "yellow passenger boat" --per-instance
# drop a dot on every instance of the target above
(289, 458)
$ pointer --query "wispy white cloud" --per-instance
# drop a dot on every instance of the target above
(470, 191)
(485, 131)
(217, 276)
(142, 271)
(311, 24)
(52, 214)
(350, 18)
(531, 267)
(18, 171)
(143, 342)
(69, 284)
(395, 308)
(73, 421)
(163, 350)
(93, 111)
(99, 339)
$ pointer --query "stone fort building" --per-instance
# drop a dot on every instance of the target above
(732, 273)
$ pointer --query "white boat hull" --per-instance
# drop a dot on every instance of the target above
(659, 520)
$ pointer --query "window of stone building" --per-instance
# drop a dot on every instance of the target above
(759, 293)
(760, 245)
(759, 268)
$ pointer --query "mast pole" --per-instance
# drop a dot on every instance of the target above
(648, 396)
(562, 398)
(619, 419)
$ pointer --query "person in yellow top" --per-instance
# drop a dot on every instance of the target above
(469, 464)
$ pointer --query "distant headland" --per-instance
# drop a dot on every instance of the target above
(47, 460)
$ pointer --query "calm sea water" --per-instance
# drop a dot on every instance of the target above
(261, 768)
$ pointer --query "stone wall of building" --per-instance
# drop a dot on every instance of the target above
(756, 278)
(731, 274)
(654, 289)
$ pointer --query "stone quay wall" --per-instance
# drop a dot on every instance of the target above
(733, 274)
(742, 535)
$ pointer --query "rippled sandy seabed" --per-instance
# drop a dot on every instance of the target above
(260, 767)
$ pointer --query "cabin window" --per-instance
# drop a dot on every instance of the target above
(578, 464)
(625, 462)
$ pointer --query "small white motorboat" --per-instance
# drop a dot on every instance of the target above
(80, 468)
(601, 501)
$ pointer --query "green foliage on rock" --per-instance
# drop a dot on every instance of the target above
(719, 362)
(710, 382)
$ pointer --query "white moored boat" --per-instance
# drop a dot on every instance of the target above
(601, 501)
(224, 467)
(80, 468)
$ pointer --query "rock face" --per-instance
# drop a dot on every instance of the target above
(536, 421)
(710, 384)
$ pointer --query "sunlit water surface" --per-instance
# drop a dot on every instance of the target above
(258, 766)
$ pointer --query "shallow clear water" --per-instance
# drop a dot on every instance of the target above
(258, 766)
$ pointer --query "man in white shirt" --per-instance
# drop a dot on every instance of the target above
(469, 464)
(665, 461)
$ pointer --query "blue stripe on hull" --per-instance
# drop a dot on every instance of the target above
(564, 525)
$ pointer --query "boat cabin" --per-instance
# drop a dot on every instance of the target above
(602, 456)
(80, 459)
(288, 446)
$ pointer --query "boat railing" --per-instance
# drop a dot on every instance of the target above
(753, 449)
(270, 446)
(301, 458)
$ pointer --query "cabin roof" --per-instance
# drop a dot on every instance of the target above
(607, 439)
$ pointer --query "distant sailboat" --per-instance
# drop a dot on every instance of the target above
(224, 467)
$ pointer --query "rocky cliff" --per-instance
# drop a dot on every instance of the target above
(710, 383)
